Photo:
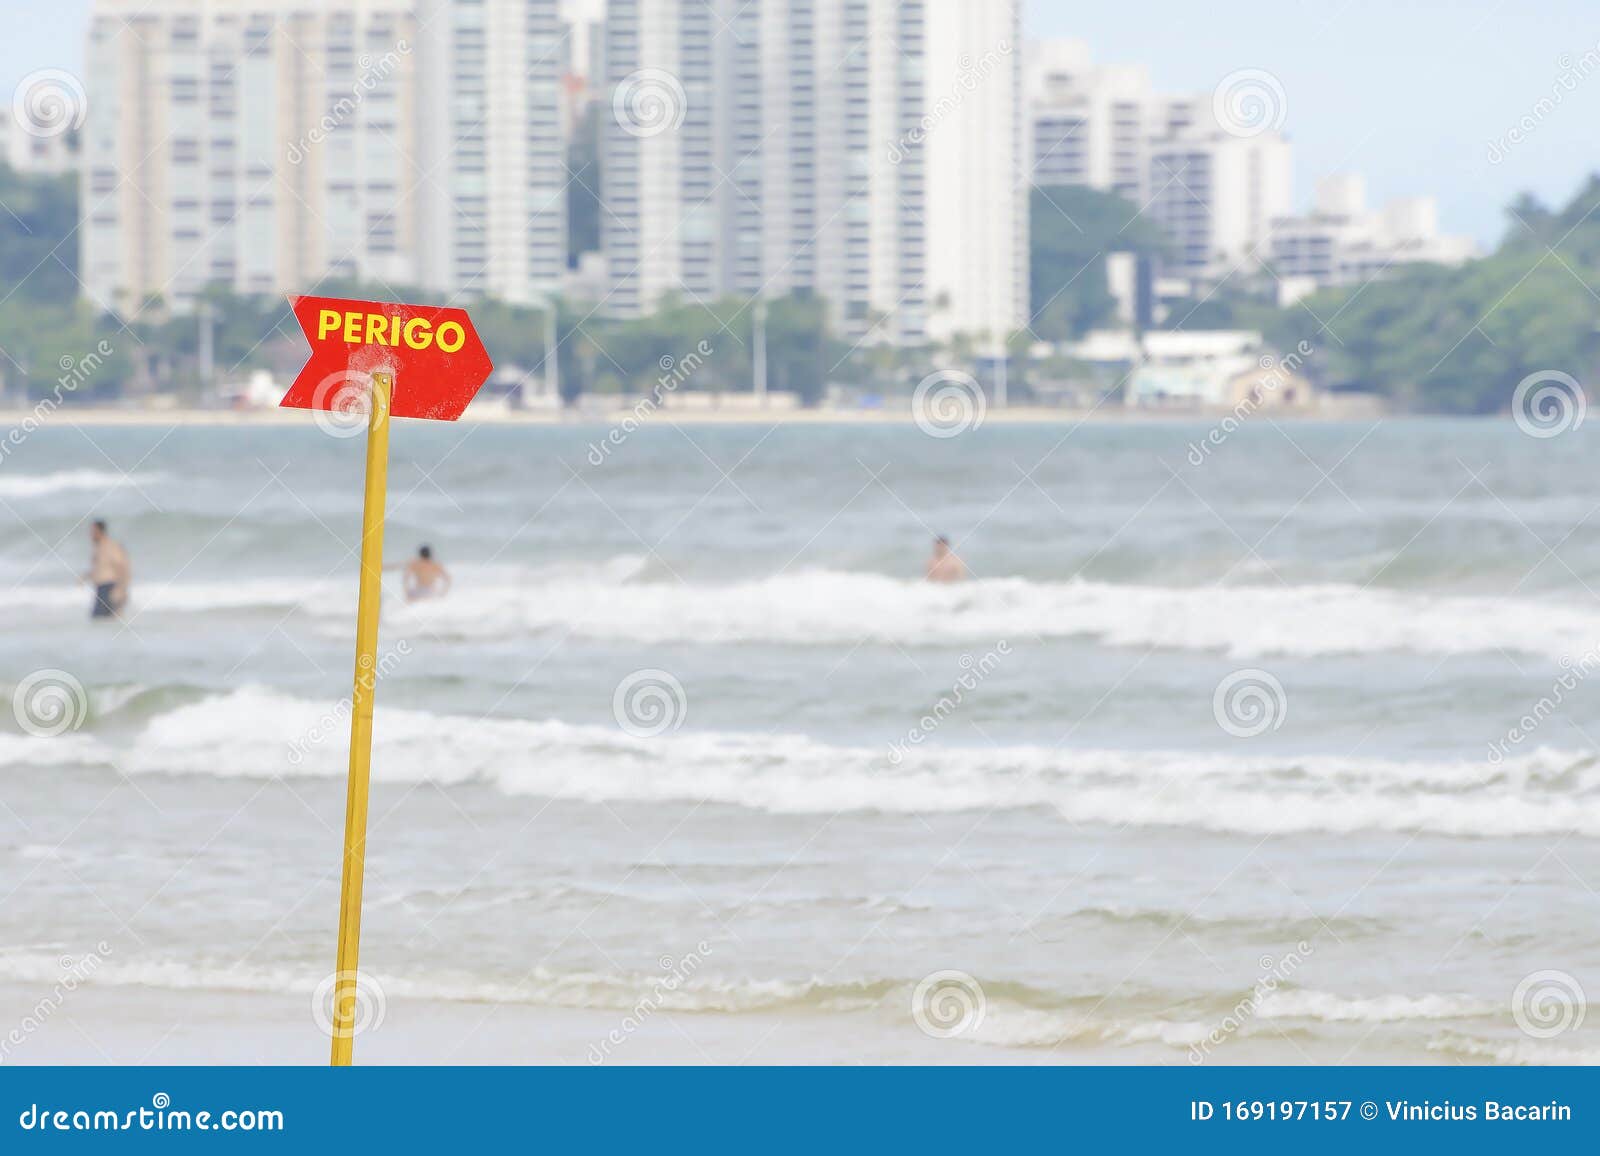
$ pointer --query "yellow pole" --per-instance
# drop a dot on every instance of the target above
(355, 807)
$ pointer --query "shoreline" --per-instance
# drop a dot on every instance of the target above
(136, 1024)
(697, 415)
(98, 1023)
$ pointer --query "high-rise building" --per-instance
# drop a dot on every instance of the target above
(1088, 124)
(976, 192)
(1092, 124)
(1342, 242)
(265, 145)
(1216, 193)
(45, 147)
(866, 151)
(1213, 183)
(493, 187)
(259, 146)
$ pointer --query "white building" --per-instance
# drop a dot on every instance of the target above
(1220, 186)
(41, 150)
(265, 145)
(1216, 193)
(868, 151)
(1191, 367)
(1342, 242)
(492, 190)
(1092, 124)
(254, 146)
(975, 196)
(1088, 124)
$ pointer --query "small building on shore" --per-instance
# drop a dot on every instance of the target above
(1216, 369)
(1270, 385)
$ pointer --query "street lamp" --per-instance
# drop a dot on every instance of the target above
(759, 351)
(552, 355)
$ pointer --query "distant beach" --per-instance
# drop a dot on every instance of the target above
(698, 413)
(590, 415)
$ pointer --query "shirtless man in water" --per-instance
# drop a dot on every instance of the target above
(424, 578)
(109, 573)
(944, 566)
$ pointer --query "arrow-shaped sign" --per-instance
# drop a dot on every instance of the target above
(433, 355)
(385, 361)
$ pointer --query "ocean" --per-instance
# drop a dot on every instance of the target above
(1275, 750)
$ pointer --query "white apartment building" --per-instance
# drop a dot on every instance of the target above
(1088, 124)
(1216, 194)
(1092, 124)
(226, 144)
(40, 150)
(491, 139)
(1342, 242)
(265, 145)
(868, 151)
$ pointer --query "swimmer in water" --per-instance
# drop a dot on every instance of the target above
(423, 577)
(944, 566)
(109, 572)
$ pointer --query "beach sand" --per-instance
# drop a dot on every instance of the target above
(138, 1025)
(117, 1024)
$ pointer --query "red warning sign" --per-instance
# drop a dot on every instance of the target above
(437, 361)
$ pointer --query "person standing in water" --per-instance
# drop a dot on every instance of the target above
(944, 566)
(424, 578)
(109, 572)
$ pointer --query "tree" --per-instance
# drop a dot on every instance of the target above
(1072, 229)
(1459, 340)
(38, 224)
(798, 345)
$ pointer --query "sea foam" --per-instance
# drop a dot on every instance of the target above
(260, 733)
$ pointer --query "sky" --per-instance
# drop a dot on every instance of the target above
(1411, 93)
